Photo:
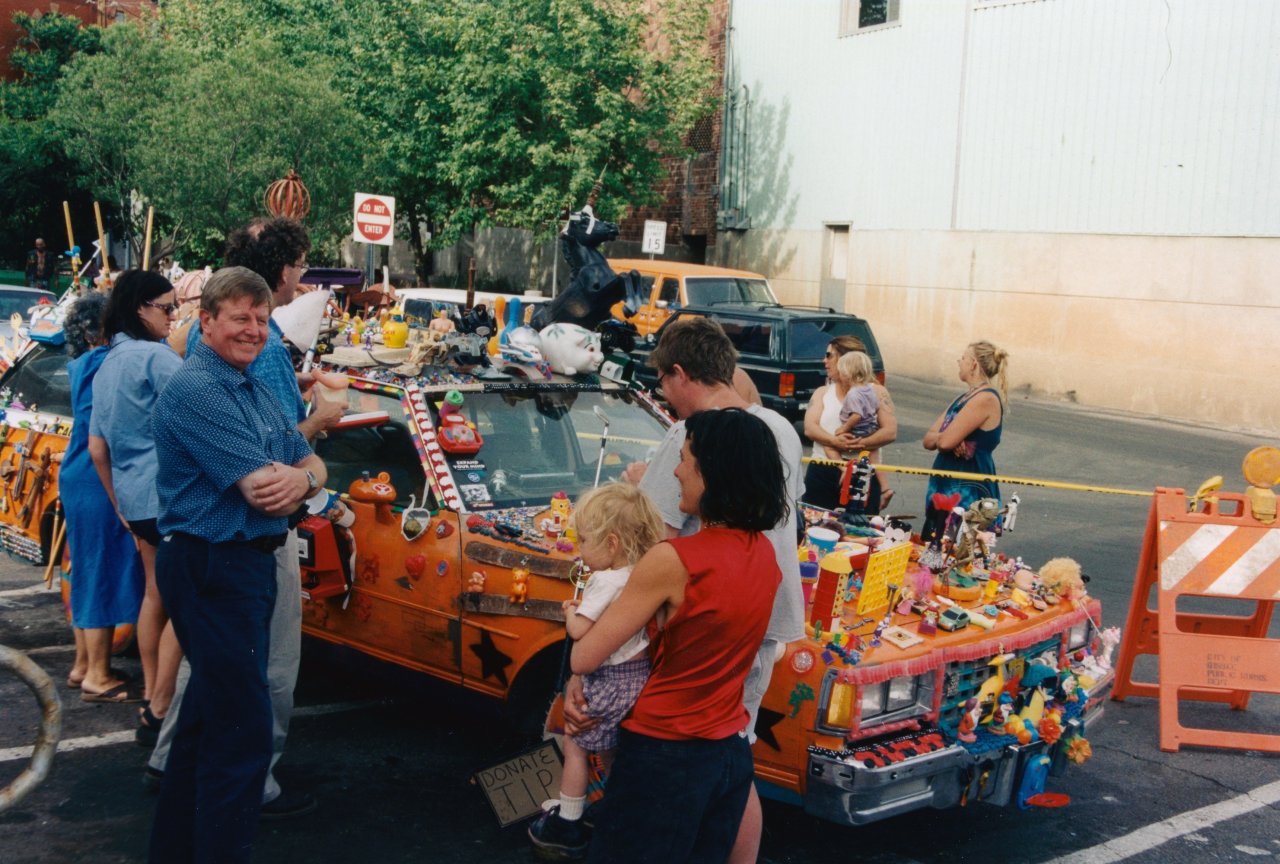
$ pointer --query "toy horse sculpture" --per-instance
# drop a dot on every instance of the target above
(593, 286)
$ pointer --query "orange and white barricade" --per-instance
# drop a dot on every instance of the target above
(1223, 552)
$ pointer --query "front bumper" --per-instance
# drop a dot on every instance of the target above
(849, 792)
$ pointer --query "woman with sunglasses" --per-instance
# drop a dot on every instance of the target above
(822, 419)
(139, 363)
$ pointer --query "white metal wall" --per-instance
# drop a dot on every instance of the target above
(859, 129)
(1093, 116)
(1134, 117)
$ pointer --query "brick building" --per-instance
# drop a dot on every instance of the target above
(691, 190)
(101, 12)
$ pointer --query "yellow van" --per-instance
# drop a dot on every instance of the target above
(671, 285)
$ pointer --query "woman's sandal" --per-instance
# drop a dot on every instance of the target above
(76, 683)
(148, 726)
(119, 695)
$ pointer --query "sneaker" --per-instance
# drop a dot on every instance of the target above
(151, 779)
(286, 805)
(557, 839)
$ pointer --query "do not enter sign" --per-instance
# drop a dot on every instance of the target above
(375, 217)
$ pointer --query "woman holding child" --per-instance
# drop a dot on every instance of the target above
(822, 424)
(683, 768)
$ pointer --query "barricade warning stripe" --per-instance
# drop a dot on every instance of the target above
(1252, 568)
(1223, 560)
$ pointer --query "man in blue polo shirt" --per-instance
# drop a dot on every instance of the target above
(232, 468)
(275, 249)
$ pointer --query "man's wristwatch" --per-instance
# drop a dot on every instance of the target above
(313, 485)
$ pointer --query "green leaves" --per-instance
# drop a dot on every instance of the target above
(468, 111)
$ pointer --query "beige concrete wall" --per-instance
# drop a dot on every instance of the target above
(1174, 327)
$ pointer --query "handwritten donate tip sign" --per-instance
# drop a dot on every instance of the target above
(517, 786)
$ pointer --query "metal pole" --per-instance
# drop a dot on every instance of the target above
(50, 725)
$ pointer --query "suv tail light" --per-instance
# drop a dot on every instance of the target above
(787, 384)
(880, 378)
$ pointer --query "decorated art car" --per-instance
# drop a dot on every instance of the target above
(446, 545)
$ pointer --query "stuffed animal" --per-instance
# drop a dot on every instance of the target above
(1062, 576)
(571, 349)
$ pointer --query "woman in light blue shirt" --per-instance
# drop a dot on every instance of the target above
(137, 367)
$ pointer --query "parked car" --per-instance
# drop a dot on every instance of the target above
(780, 347)
(672, 285)
(444, 550)
(18, 300)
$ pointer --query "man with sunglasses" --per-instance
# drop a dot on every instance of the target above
(275, 249)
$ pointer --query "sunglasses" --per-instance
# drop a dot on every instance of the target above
(166, 308)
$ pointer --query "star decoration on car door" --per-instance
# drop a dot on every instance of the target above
(492, 661)
(765, 721)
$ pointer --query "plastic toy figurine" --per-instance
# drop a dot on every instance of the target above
(928, 625)
(561, 511)
(452, 404)
(969, 722)
(441, 323)
(519, 586)
(475, 583)
(1001, 713)
(395, 332)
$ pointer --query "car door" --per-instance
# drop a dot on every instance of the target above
(405, 559)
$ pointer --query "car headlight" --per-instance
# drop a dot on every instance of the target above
(1078, 636)
(873, 696)
(840, 705)
(902, 693)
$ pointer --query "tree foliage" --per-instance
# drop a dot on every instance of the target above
(35, 175)
(469, 112)
(154, 123)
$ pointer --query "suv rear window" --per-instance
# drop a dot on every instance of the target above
(809, 337)
(748, 335)
(705, 290)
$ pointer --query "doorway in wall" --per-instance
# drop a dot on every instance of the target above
(835, 266)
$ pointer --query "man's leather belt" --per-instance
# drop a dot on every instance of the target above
(269, 543)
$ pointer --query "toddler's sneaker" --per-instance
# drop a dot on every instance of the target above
(557, 839)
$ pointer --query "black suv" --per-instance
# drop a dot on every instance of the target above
(780, 347)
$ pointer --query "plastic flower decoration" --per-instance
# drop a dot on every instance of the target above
(1050, 728)
(1079, 750)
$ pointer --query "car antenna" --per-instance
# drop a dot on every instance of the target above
(604, 436)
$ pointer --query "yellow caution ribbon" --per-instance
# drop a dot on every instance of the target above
(1014, 481)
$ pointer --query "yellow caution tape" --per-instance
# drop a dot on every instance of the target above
(1014, 481)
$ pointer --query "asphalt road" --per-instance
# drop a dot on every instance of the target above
(389, 754)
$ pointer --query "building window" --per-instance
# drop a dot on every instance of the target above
(859, 16)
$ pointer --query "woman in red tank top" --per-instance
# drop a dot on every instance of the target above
(683, 770)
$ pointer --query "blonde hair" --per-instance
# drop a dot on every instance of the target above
(994, 363)
(621, 509)
(856, 366)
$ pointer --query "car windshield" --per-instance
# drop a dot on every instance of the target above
(705, 290)
(809, 337)
(16, 300)
(40, 379)
(539, 442)
(384, 446)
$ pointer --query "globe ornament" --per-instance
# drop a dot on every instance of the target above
(289, 197)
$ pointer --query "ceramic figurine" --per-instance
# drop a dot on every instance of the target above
(1003, 710)
(519, 585)
(571, 349)
(969, 721)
